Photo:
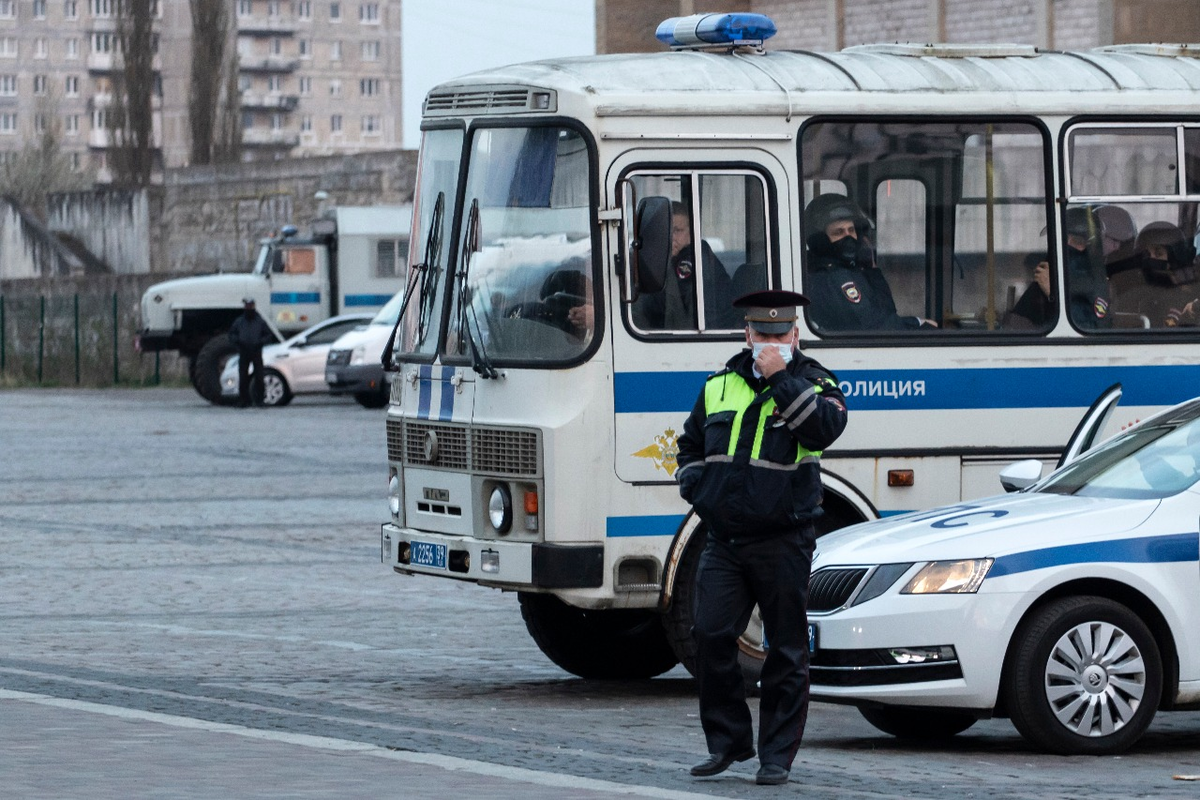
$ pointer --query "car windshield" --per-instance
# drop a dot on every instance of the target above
(1154, 460)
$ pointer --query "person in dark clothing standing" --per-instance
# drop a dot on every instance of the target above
(249, 333)
(848, 290)
(749, 465)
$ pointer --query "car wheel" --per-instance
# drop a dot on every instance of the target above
(1084, 677)
(275, 389)
(910, 722)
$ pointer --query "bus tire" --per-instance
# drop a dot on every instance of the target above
(210, 362)
(621, 644)
(922, 724)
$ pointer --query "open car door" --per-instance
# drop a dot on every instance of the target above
(1087, 432)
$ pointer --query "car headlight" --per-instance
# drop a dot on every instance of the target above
(356, 357)
(949, 577)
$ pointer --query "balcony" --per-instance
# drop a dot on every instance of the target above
(263, 137)
(270, 102)
(111, 62)
(266, 26)
(267, 64)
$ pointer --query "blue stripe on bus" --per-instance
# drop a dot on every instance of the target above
(1141, 550)
(295, 297)
(366, 299)
(659, 525)
(425, 392)
(973, 388)
(447, 409)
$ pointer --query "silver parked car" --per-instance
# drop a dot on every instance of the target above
(296, 365)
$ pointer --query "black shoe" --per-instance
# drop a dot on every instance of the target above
(716, 764)
(771, 775)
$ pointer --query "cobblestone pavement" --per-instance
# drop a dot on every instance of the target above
(192, 605)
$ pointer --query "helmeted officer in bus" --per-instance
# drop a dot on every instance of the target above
(848, 290)
(749, 465)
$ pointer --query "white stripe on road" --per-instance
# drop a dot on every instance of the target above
(552, 779)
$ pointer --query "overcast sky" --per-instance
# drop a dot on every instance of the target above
(443, 39)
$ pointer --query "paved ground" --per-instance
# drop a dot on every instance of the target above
(191, 606)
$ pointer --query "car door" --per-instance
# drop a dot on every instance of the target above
(1091, 427)
(306, 361)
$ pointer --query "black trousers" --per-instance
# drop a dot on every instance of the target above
(771, 571)
(245, 392)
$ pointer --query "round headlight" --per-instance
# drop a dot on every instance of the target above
(394, 495)
(500, 509)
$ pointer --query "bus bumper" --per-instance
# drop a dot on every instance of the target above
(507, 565)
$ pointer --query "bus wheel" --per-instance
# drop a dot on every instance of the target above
(602, 645)
(678, 620)
(210, 362)
(911, 722)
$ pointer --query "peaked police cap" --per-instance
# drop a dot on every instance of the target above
(772, 311)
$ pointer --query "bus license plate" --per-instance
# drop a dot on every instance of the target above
(812, 637)
(426, 554)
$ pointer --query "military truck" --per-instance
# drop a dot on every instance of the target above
(353, 259)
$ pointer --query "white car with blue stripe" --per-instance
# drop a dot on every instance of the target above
(1066, 606)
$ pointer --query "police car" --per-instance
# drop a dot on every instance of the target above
(1066, 605)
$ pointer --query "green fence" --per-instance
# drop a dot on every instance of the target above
(78, 333)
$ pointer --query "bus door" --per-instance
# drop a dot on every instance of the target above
(674, 323)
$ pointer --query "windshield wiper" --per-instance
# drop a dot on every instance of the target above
(423, 272)
(466, 307)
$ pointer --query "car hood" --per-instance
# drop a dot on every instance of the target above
(976, 529)
(363, 336)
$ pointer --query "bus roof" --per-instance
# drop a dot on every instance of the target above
(699, 82)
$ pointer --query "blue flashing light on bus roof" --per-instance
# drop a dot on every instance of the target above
(715, 30)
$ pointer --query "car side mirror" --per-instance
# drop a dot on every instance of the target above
(1021, 474)
(300, 343)
(652, 245)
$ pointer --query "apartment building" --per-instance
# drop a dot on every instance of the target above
(316, 77)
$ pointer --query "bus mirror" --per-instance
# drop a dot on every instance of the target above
(651, 249)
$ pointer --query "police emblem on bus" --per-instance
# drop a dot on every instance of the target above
(663, 451)
(851, 292)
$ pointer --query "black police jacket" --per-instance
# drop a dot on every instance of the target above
(749, 456)
(847, 297)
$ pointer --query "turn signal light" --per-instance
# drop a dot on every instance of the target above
(900, 477)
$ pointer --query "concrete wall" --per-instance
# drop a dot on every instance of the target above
(118, 227)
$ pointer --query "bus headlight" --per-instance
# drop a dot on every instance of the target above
(394, 495)
(500, 511)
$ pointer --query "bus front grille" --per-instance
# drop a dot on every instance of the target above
(495, 451)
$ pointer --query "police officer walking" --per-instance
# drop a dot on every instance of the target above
(748, 464)
(248, 334)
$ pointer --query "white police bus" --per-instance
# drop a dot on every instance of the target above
(554, 341)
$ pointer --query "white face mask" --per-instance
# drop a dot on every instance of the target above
(785, 350)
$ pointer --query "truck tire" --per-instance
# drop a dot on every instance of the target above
(375, 399)
(623, 644)
(912, 722)
(210, 362)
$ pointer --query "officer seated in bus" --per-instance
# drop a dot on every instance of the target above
(674, 308)
(847, 288)
(1166, 279)
(1086, 279)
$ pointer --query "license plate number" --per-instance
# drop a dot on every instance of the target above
(427, 554)
(812, 637)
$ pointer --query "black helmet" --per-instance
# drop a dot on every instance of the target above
(1180, 251)
(1082, 221)
(827, 208)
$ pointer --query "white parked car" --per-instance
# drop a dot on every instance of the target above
(296, 365)
(1067, 605)
(354, 364)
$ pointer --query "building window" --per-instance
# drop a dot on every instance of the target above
(76, 161)
(277, 122)
(39, 9)
(102, 8)
(8, 10)
(370, 125)
(245, 8)
(275, 83)
(335, 87)
(8, 85)
(276, 46)
(71, 86)
(39, 124)
(39, 84)
(391, 258)
(273, 9)
(72, 48)
(304, 10)
(370, 50)
(305, 48)
(335, 12)
(102, 42)
(335, 123)
(71, 9)
(306, 124)
(368, 87)
(247, 120)
(335, 51)
(71, 124)
(8, 47)
(368, 13)
(306, 87)
(41, 49)
(99, 119)
(8, 122)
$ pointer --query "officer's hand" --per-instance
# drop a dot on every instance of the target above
(769, 362)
